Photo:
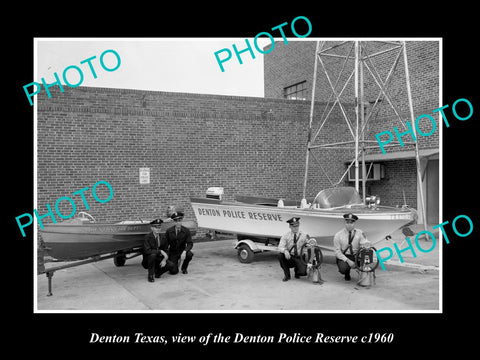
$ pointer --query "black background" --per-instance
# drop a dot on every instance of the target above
(415, 334)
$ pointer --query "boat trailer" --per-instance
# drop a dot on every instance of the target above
(119, 259)
(248, 246)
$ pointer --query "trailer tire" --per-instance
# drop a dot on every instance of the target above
(245, 254)
(120, 259)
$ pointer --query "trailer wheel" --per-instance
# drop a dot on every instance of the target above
(245, 254)
(120, 259)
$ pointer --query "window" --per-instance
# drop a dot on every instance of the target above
(374, 172)
(296, 92)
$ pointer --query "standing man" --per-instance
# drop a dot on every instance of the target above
(179, 239)
(347, 242)
(154, 252)
(290, 246)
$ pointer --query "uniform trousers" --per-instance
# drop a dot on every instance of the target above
(174, 260)
(343, 266)
(300, 268)
(151, 262)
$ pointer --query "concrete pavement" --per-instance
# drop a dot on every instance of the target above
(217, 281)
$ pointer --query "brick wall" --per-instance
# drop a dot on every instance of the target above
(291, 63)
(294, 62)
(400, 178)
(288, 64)
(189, 141)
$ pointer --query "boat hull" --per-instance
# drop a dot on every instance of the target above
(270, 221)
(67, 241)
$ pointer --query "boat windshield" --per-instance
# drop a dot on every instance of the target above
(337, 197)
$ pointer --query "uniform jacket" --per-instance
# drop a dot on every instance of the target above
(178, 242)
(286, 242)
(150, 244)
(340, 242)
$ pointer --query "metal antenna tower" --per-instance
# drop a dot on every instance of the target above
(350, 59)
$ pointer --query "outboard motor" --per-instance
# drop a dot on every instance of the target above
(215, 193)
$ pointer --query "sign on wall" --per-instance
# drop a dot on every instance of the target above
(144, 176)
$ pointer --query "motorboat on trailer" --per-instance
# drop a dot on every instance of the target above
(78, 238)
(82, 237)
(82, 240)
(264, 219)
(260, 219)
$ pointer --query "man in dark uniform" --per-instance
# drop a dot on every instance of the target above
(178, 239)
(154, 252)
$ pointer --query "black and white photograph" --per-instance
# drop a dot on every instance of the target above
(239, 174)
(296, 181)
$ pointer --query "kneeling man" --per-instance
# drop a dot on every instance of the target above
(179, 239)
(290, 246)
(347, 242)
(154, 252)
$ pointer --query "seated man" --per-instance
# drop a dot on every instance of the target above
(347, 242)
(179, 239)
(290, 246)
(154, 252)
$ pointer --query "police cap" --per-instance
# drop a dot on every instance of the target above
(178, 215)
(350, 216)
(294, 221)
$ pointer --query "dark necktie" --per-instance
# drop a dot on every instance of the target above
(350, 239)
(295, 251)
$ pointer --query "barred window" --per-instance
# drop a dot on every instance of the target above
(296, 92)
